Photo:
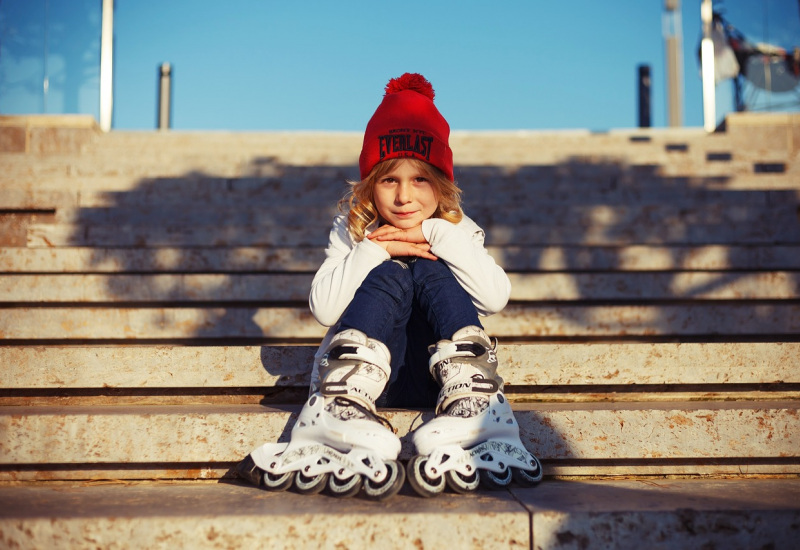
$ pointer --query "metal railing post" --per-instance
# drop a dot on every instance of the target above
(164, 96)
(106, 65)
(707, 66)
(673, 42)
(644, 96)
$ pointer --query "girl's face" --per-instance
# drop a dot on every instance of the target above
(405, 196)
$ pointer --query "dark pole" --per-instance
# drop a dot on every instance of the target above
(644, 96)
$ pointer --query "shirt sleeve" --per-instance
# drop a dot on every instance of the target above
(347, 263)
(461, 247)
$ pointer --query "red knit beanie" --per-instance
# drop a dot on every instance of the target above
(407, 125)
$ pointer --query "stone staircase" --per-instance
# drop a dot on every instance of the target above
(154, 329)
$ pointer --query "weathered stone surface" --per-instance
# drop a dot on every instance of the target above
(671, 235)
(250, 288)
(644, 258)
(234, 516)
(46, 134)
(781, 227)
(532, 321)
(12, 139)
(19, 199)
(664, 514)
(182, 260)
(694, 318)
(571, 364)
(512, 258)
(553, 431)
(156, 288)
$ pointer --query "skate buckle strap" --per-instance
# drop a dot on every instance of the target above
(357, 352)
(339, 387)
(456, 349)
(353, 370)
(475, 384)
(484, 385)
(343, 387)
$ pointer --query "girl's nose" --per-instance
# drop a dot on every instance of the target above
(404, 193)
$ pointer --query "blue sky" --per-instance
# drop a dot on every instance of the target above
(322, 65)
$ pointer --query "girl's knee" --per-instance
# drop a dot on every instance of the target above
(426, 270)
(390, 274)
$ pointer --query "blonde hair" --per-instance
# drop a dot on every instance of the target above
(359, 203)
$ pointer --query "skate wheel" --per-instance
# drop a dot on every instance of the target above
(306, 485)
(381, 490)
(247, 470)
(525, 478)
(344, 488)
(277, 482)
(462, 484)
(421, 483)
(494, 481)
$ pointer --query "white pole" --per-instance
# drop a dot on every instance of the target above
(106, 65)
(707, 63)
(673, 42)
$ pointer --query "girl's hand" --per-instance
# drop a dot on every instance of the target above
(400, 248)
(391, 233)
(402, 242)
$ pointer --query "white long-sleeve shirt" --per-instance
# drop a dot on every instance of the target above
(347, 263)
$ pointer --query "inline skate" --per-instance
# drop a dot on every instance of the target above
(474, 438)
(338, 440)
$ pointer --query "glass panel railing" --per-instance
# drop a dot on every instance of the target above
(50, 56)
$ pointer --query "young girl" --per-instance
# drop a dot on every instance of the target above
(404, 281)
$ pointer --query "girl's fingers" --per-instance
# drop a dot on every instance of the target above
(390, 233)
(401, 248)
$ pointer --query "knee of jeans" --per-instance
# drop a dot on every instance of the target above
(390, 274)
(425, 270)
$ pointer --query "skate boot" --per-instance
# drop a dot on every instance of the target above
(474, 438)
(338, 441)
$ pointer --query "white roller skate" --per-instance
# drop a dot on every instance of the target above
(338, 441)
(474, 438)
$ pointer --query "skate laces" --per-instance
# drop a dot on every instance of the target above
(343, 409)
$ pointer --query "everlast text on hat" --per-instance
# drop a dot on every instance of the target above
(405, 143)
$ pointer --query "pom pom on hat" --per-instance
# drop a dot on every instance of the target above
(407, 125)
(411, 81)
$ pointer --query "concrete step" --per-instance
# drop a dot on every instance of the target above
(47, 134)
(659, 514)
(671, 208)
(308, 259)
(592, 438)
(470, 147)
(591, 367)
(752, 211)
(171, 198)
(598, 231)
(566, 223)
(526, 321)
(261, 288)
(140, 180)
(666, 141)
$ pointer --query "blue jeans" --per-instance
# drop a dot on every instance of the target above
(409, 304)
